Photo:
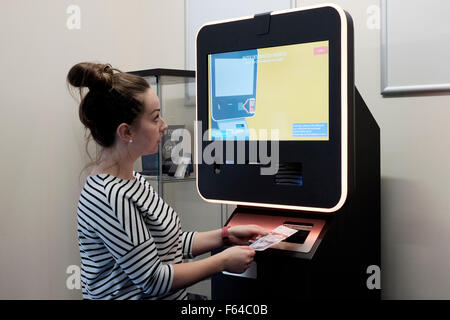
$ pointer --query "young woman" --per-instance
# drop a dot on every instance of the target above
(130, 240)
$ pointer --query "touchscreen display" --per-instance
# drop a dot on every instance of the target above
(283, 89)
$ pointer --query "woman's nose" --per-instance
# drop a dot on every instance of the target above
(164, 125)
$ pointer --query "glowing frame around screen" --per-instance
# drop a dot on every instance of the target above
(344, 120)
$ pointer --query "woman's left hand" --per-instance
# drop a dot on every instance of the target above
(242, 234)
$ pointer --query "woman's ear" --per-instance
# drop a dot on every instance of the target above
(124, 132)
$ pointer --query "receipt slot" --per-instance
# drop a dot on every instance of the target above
(291, 72)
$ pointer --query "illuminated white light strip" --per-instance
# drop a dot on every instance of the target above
(344, 118)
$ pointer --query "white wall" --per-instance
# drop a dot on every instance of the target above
(415, 169)
(41, 138)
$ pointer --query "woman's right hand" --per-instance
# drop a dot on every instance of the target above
(237, 258)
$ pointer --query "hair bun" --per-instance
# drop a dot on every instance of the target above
(94, 76)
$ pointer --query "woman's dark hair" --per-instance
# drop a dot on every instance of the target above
(111, 99)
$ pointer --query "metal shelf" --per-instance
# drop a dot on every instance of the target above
(169, 179)
(167, 76)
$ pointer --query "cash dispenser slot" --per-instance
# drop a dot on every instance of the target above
(305, 238)
(302, 241)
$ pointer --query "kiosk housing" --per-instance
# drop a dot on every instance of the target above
(291, 72)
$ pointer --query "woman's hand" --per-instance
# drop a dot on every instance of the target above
(237, 259)
(242, 234)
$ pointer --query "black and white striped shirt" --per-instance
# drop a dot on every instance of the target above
(128, 238)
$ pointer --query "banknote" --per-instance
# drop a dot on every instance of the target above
(284, 231)
(275, 236)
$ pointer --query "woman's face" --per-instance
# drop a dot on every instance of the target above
(150, 126)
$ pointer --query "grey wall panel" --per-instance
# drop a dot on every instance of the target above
(415, 46)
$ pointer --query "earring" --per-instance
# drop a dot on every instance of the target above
(131, 141)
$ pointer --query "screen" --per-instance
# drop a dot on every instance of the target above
(282, 90)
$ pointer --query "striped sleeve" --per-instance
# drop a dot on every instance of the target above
(144, 268)
(187, 240)
(128, 240)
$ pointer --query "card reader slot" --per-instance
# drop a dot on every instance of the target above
(300, 236)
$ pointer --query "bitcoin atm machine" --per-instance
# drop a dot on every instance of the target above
(290, 73)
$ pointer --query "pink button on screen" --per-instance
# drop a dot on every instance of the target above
(320, 50)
